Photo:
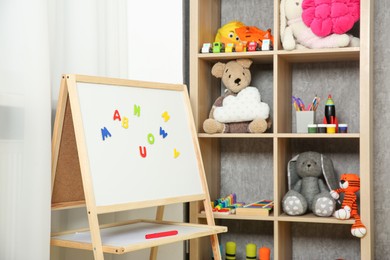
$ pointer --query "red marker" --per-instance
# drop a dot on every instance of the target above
(161, 234)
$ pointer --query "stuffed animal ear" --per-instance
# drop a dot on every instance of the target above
(217, 70)
(283, 21)
(331, 179)
(292, 175)
(246, 63)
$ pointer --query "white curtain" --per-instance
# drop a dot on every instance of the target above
(24, 130)
(39, 41)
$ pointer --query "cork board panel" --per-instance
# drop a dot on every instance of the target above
(68, 186)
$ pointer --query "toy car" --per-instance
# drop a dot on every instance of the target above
(230, 47)
(218, 47)
(241, 47)
(253, 46)
(206, 48)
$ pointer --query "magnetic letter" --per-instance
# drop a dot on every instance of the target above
(175, 153)
(151, 138)
(166, 116)
(105, 133)
(137, 110)
(163, 133)
(117, 115)
(142, 151)
(125, 122)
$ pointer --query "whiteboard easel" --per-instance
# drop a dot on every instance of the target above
(121, 145)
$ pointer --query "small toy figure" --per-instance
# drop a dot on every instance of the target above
(230, 47)
(253, 46)
(218, 47)
(206, 48)
(241, 47)
(349, 185)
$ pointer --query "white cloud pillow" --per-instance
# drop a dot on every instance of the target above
(246, 106)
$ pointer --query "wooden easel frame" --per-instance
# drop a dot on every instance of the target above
(72, 186)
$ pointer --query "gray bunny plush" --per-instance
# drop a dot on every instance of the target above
(310, 178)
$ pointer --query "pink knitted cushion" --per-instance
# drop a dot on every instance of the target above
(326, 17)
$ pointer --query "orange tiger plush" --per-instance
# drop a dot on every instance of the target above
(349, 185)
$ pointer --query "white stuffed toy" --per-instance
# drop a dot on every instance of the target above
(296, 35)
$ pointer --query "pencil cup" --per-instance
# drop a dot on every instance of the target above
(304, 118)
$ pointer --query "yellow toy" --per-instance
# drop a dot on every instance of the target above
(227, 33)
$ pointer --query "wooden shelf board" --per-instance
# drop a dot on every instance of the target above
(240, 217)
(281, 135)
(296, 135)
(321, 55)
(296, 56)
(244, 135)
(311, 218)
(130, 236)
(256, 56)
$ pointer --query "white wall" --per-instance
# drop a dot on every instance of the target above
(156, 40)
(155, 33)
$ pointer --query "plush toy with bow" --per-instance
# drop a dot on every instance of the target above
(295, 34)
(349, 185)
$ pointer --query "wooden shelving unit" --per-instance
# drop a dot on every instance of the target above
(205, 19)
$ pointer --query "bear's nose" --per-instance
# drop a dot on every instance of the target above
(237, 81)
(308, 165)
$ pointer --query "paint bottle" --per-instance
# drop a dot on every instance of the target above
(230, 250)
(251, 251)
(330, 111)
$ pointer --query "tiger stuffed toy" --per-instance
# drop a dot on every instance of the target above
(349, 185)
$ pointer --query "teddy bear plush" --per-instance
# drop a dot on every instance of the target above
(295, 34)
(310, 178)
(240, 109)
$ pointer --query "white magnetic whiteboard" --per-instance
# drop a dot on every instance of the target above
(140, 141)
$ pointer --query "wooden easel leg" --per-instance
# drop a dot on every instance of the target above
(159, 217)
(95, 236)
(210, 222)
